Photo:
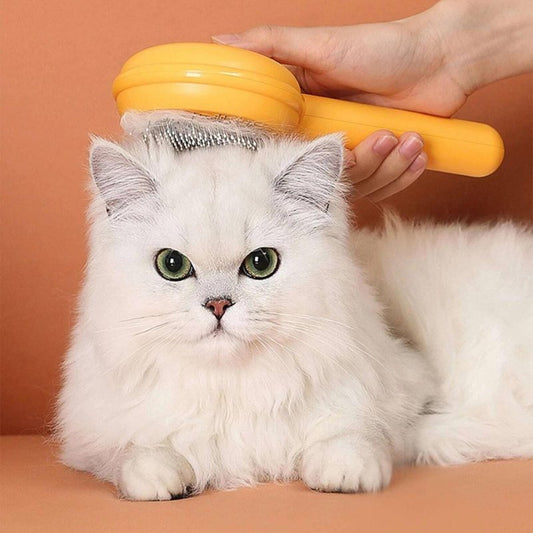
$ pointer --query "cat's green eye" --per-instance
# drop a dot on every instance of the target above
(260, 263)
(172, 265)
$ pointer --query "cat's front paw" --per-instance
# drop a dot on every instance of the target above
(154, 474)
(342, 466)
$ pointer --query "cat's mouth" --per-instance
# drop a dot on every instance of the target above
(218, 332)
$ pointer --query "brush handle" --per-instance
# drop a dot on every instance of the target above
(454, 146)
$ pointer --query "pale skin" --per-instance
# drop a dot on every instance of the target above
(430, 62)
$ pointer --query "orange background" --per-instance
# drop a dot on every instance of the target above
(59, 58)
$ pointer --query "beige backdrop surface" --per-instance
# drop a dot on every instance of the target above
(59, 58)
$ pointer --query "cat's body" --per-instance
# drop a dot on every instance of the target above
(360, 350)
(463, 297)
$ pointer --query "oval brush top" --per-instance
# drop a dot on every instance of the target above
(210, 79)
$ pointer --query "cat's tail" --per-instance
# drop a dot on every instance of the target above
(452, 438)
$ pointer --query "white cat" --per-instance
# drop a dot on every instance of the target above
(233, 328)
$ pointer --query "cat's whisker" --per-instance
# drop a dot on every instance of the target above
(129, 329)
(327, 353)
(143, 348)
(298, 368)
(333, 341)
(158, 315)
(312, 348)
(315, 318)
(126, 331)
(304, 327)
(152, 328)
(132, 326)
(272, 351)
(321, 320)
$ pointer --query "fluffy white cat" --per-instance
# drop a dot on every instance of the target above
(233, 328)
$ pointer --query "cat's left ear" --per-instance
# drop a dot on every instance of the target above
(311, 179)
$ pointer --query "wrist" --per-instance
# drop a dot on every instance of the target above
(481, 41)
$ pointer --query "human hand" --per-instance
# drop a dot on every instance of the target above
(382, 164)
(430, 63)
(394, 64)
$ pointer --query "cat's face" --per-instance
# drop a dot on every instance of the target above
(223, 246)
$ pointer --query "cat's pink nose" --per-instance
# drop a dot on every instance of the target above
(218, 306)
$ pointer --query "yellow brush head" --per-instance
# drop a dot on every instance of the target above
(210, 79)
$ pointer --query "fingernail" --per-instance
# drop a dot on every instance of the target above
(385, 144)
(411, 146)
(228, 38)
(418, 164)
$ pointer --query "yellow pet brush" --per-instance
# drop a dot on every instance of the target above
(213, 79)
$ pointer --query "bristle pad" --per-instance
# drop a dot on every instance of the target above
(185, 137)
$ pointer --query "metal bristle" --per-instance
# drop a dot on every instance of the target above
(187, 136)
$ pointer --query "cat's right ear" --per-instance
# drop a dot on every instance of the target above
(121, 180)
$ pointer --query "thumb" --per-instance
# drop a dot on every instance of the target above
(295, 46)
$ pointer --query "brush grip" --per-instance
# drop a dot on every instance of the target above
(452, 145)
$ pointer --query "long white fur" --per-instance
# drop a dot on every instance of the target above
(363, 349)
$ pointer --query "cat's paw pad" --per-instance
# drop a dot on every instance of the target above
(338, 466)
(154, 474)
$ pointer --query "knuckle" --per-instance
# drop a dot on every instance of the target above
(406, 179)
(267, 36)
(266, 31)
(359, 171)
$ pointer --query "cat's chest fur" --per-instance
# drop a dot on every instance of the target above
(251, 422)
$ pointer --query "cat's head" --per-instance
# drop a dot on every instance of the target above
(222, 248)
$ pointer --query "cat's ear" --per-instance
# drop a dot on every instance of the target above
(311, 179)
(120, 178)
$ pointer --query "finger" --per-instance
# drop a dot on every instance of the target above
(413, 172)
(370, 154)
(296, 46)
(407, 150)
